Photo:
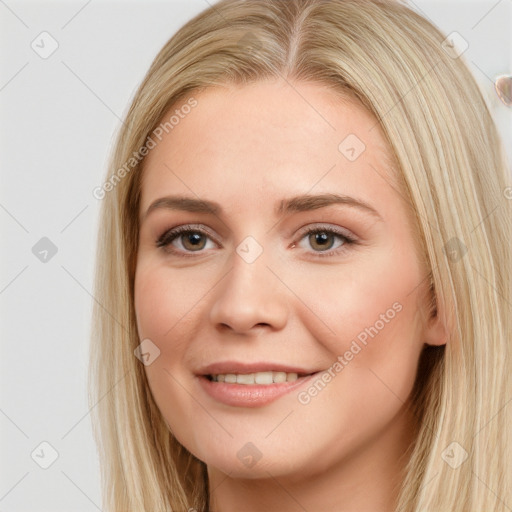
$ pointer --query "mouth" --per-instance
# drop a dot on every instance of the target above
(251, 385)
(263, 370)
(265, 378)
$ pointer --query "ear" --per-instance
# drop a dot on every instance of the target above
(434, 323)
(435, 331)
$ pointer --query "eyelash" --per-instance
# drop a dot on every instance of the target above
(164, 241)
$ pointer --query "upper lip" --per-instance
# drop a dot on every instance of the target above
(225, 367)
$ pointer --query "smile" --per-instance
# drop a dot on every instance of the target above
(248, 390)
(263, 378)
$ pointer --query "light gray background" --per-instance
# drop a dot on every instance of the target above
(58, 117)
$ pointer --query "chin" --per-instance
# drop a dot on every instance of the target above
(261, 470)
(250, 463)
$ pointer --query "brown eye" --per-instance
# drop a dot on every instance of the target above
(326, 241)
(193, 241)
(183, 239)
(322, 240)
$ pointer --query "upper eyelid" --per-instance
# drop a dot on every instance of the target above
(177, 231)
(189, 227)
(202, 228)
(318, 226)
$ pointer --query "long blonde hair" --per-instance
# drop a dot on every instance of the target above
(453, 171)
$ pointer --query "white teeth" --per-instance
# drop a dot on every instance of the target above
(279, 376)
(245, 378)
(264, 378)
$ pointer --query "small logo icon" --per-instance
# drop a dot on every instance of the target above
(146, 352)
(249, 249)
(44, 45)
(44, 455)
(44, 250)
(351, 147)
(454, 455)
(455, 249)
(455, 45)
(250, 42)
(249, 455)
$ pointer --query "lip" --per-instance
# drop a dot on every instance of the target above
(223, 367)
(250, 395)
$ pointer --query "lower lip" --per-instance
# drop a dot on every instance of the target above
(249, 395)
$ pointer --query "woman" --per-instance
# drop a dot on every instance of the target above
(303, 283)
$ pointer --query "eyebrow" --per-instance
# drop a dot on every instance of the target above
(299, 203)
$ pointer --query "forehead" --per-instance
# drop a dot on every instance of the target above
(251, 143)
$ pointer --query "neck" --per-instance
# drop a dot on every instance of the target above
(367, 480)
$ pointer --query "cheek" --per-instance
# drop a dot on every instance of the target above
(164, 308)
(375, 348)
(370, 308)
(149, 299)
(164, 303)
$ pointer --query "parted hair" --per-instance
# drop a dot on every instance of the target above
(453, 172)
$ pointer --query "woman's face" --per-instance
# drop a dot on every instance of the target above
(267, 281)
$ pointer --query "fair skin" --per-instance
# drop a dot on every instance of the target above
(247, 149)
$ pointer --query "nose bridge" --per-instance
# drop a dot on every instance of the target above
(250, 294)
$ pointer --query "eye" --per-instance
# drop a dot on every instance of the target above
(326, 241)
(185, 239)
(188, 239)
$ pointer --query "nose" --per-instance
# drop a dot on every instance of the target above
(249, 298)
